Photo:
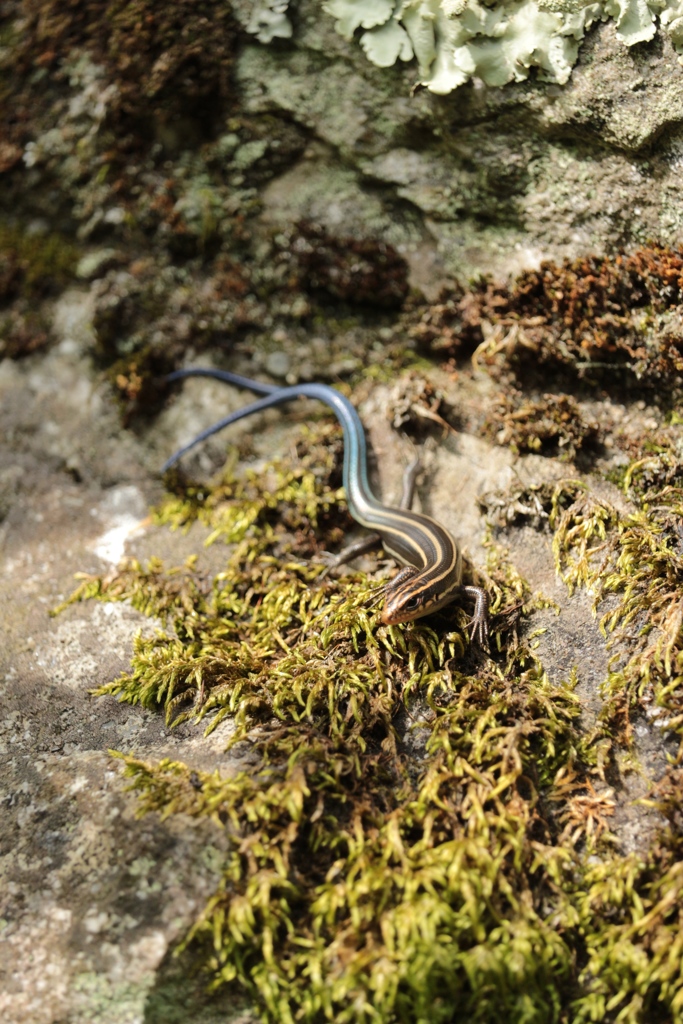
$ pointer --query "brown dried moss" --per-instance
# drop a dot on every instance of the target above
(159, 56)
(355, 270)
(22, 334)
(552, 425)
(584, 318)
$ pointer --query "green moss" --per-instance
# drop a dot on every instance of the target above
(630, 913)
(410, 841)
(635, 559)
(31, 265)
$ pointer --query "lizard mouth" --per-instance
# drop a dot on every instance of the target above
(393, 616)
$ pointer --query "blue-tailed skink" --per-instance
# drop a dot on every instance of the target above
(432, 576)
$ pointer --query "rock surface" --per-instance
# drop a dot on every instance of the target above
(92, 900)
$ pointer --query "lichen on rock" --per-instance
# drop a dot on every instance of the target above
(267, 19)
(456, 40)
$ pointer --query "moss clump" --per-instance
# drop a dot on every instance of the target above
(22, 333)
(634, 560)
(153, 54)
(34, 265)
(410, 839)
(629, 911)
(552, 425)
(138, 382)
(365, 271)
(637, 560)
(582, 318)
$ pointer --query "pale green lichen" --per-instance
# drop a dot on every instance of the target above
(456, 40)
(268, 20)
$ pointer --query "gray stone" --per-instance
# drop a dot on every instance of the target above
(277, 363)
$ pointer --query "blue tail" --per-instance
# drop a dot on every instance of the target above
(355, 455)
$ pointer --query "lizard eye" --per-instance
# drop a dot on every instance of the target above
(413, 603)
